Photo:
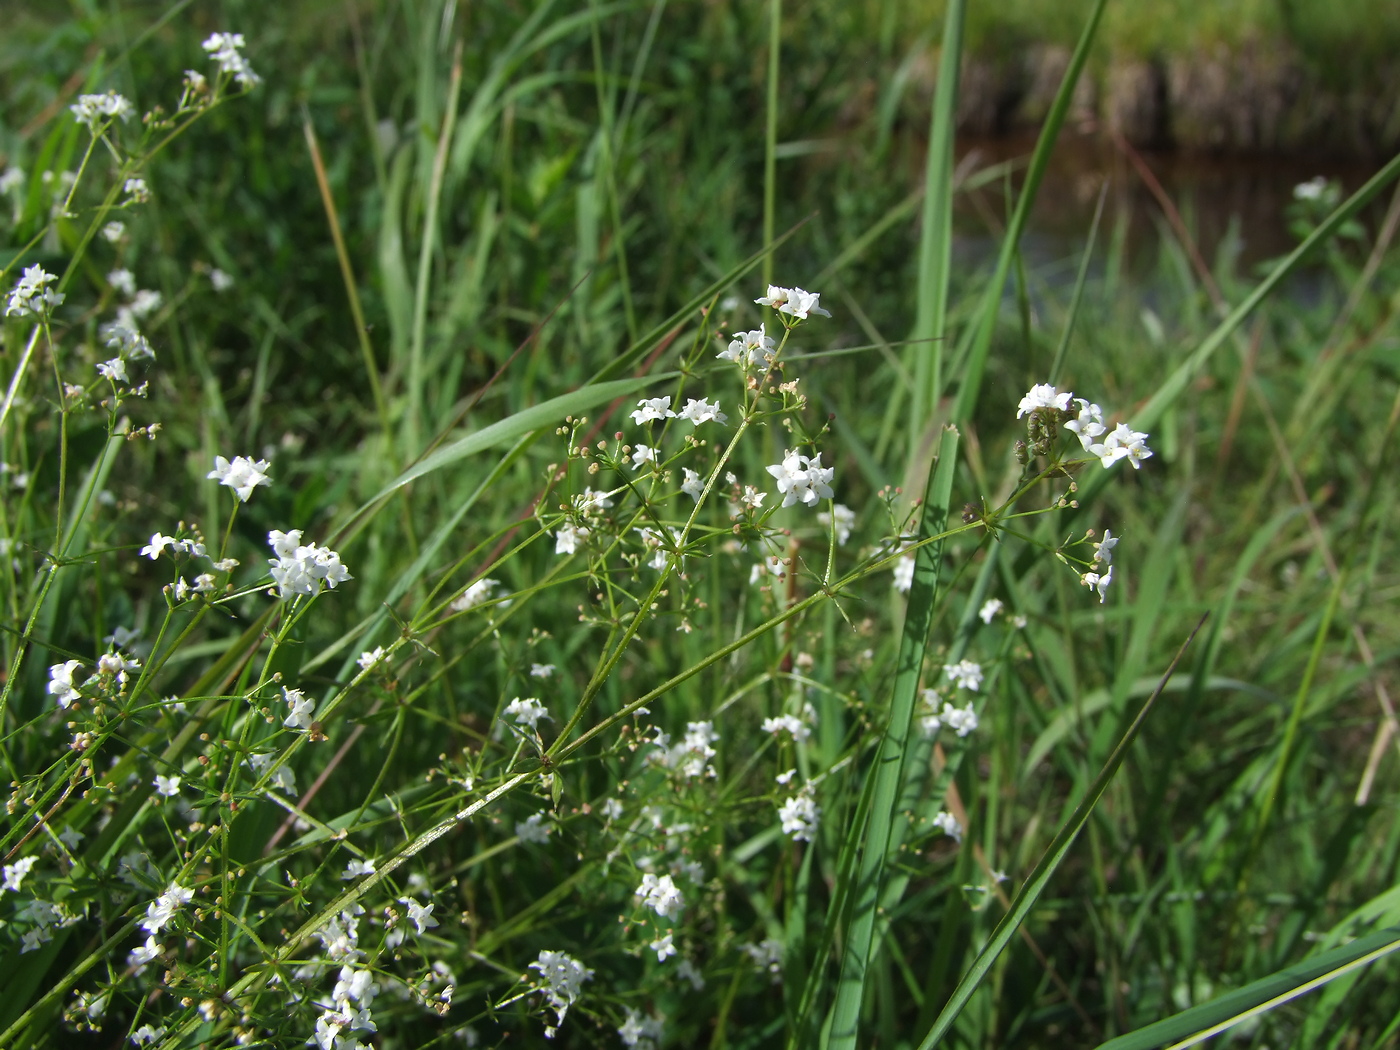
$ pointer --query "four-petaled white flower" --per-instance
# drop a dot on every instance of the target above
(1088, 424)
(533, 829)
(802, 478)
(167, 786)
(61, 686)
(474, 595)
(356, 868)
(749, 349)
(1103, 550)
(794, 302)
(643, 454)
(242, 475)
(650, 408)
(661, 895)
(663, 948)
(115, 370)
(948, 824)
(1043, 395)
(693, 485)
(421, 915)
(302, 708)
(370, 657)
(990, 609)
(161, 911)
(1095, 582)
(698, 410)
(158, 543)
(1123, 442)
(568, 537)
(541, 670)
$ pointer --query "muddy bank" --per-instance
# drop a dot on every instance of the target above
(1258, 99)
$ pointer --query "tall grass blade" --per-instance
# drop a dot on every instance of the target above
(936, 238)
(1201, 1022)
(1040, 877)
(888, 770)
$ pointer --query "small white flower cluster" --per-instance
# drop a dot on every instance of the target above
(965, 673)
(961, 719)
(799, 816)
(15, 873)
(661, 895)
(162, 911)
(242, 475)
(1103, 552)
(989, 609)
(533, 829)
(802, 478)
(948, 824)
(42, 917)
(691, 757)
(30, 294)
(478, 592)
(97, 109)
(641, 1033)
(301, 709)
(793, 302)
(1121, 443)
(527, 712)
(563, 977)
(766, 955)
(750, 350)
(224, 49)
(303, 568)
(799, 728)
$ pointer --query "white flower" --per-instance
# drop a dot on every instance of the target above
(1312, 190)
(660, 895)
(563, 977)
(541, 670)
(242, 475)
(421, 915)
(357, 867)
(1019, 622)
(302, 709)
(221, 281)
(652, 408)
(612, 809)
(474, 595)
(784, 779)
(799, 816)
(144, 302)
(158, 543)
(799, 729)
(527, 712)
(990, 609)
(533, 829)
(966, 674)
(93, 109)
(748, 349)
(137, 191)
(370, 657)
(1095, 582)
(302, 568)
(115, 370)
(948, 824)
(845, 521)
(1088, 425)
(15, 873)
(642, 1033)
(792, 301)
(693, 485)
(568, 537)
(61, 686)
(12, 179)
(161, 911)
(1103, 550)
(904, 574)
(123, 281)
(591, 503)
(30, 294)
(962, 719)
(1123, 443)
(643, 454)
(802, 478)
(113, 231)
(663, 948)
(698, 411)
(167, 786)
(686, 971)
(1043, 395)
(224, 49)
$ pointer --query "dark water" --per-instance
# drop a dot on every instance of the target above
(1231, 203)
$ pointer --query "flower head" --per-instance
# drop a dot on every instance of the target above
(1043, 395)
(795, 302)
(31, 294)
(650, 408)
(661, 895)
(303, 568)
(242, 475)
(802, 478)
(698, 410)
(1123, 442)
(799, 816)
(224, 49)
(966, 674)
(527, 712)
(96, 109)
(61, 686)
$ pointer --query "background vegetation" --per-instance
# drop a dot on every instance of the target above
(604, 165)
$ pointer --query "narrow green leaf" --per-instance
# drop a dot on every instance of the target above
(1201, 1022)
(888, 770)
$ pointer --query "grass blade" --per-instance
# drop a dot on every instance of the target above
(1040, 878)
(1201, 1022)
(888, 770)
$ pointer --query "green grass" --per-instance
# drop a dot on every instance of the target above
(514, 222)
